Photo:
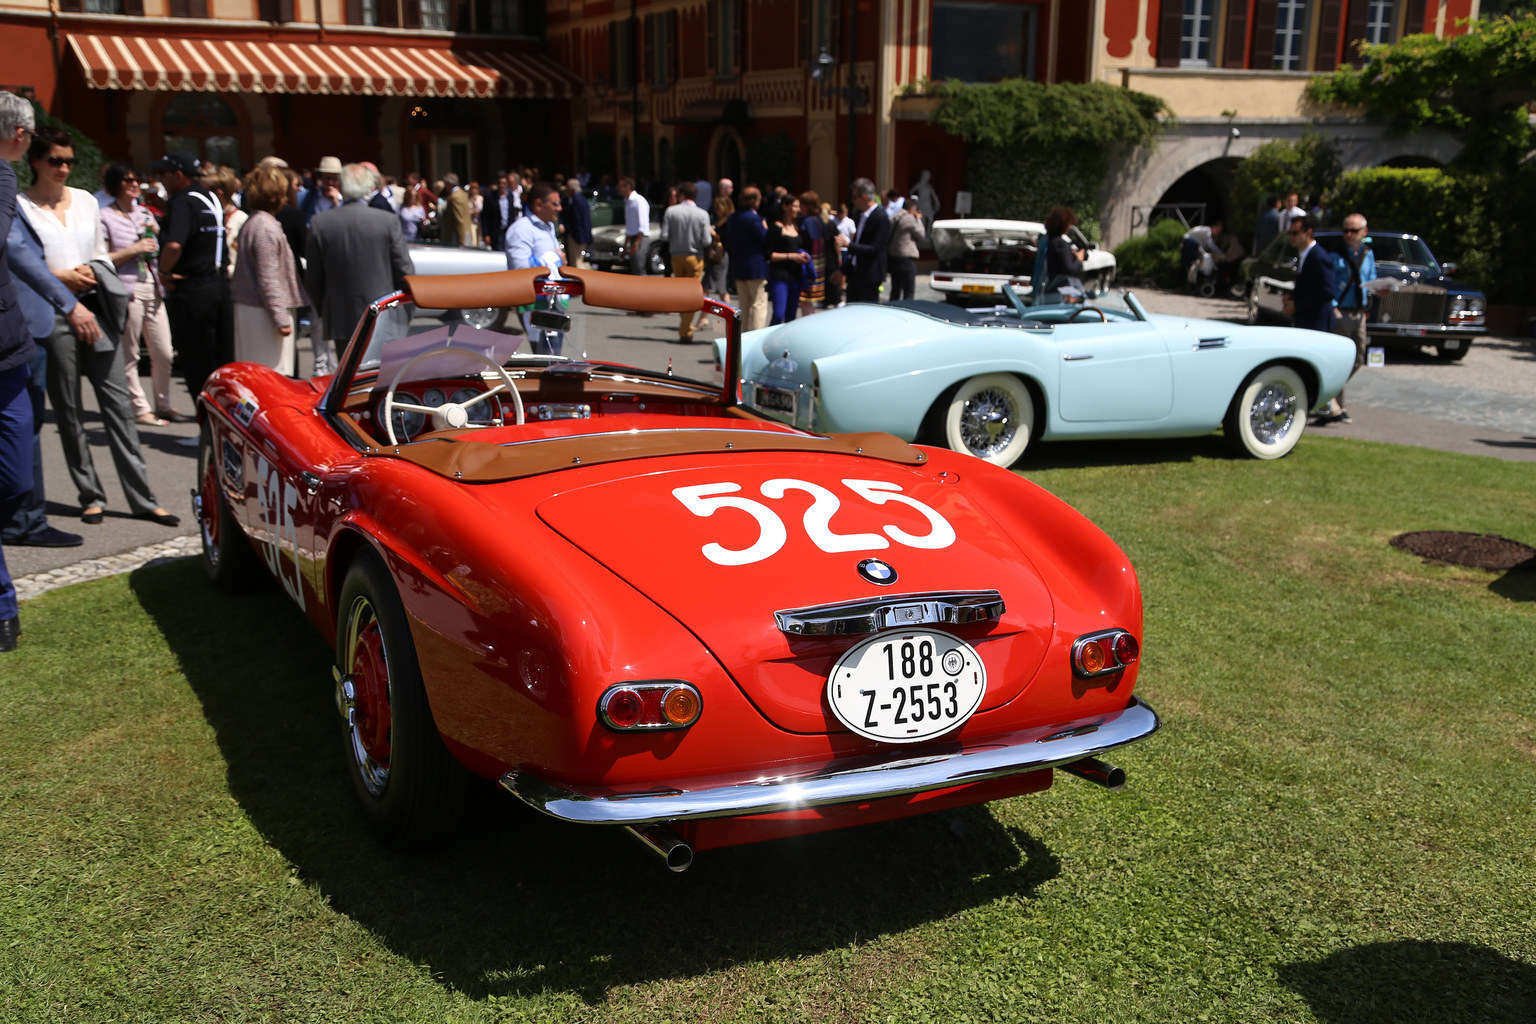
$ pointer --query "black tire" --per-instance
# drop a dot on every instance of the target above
(1453, 355)
(411, 789)
(229, 560)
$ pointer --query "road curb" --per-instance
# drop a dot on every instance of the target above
(109, 565)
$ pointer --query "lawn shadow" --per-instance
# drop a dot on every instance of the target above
(1432, 982)
(519, 903)
(1125, 452)
(1518, 584)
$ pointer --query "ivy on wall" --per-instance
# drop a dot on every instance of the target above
(1035, 146)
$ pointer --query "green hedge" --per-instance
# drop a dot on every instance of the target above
(1019, 183)
(1309, 165)
(1153, 256)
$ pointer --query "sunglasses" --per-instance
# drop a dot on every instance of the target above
(132, 181)
(1353, 231)
(61, 161)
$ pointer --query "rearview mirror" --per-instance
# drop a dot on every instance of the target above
(549, 320)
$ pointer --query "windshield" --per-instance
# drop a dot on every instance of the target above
(1407, 251)
(957, 242)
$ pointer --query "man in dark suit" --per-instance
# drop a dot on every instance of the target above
(1311, 302)
(497, 214)
(354, 254)
(868, 251)
(379, 200)
(576, 218)
(16, 351)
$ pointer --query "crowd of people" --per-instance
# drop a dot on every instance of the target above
(189, 265)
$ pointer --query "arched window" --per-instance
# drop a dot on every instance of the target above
(204, 124)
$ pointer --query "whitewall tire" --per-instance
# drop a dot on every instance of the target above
(1268, 414)
(992, 417)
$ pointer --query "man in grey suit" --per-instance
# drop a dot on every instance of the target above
(354, 255)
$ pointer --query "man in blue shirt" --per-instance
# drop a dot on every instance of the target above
(533, 242)
(1352, 269)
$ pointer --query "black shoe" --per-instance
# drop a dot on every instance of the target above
(162, 518)
(48, 537)
(10, 629)
(93, 518)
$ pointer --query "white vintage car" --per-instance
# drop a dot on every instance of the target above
(978, 257)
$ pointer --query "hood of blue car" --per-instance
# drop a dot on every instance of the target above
(859, 326)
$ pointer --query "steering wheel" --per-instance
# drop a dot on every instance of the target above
(449, 415)
(1085, 309)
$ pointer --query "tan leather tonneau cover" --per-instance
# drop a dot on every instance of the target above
(480, 462)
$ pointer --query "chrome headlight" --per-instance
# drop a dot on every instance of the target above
(1458, 304)
(1476, 304)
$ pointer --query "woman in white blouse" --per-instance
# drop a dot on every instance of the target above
(69, 224)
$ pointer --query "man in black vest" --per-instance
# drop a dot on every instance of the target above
(193, 253)
(868, 252)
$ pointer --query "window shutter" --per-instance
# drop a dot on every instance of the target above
(1170, 25)
(1330, 11)
(179, 8)
(1413, 17)
(134, 8)
(389, 13)
(1237, 34)
(648, 70)
(412, 12)
(712, 34)
(1354, 31)
(738, 40)
(672, 72)
(1264, 17)
(354, 12)
(75, 6)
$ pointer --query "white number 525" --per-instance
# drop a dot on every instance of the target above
(705, 500)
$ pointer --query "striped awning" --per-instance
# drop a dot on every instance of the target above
(335, 68)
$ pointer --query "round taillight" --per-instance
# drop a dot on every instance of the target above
(681, 706)
(1093, 657)
(624, 708)
(1126, 649)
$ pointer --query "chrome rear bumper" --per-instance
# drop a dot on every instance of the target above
(841, 782)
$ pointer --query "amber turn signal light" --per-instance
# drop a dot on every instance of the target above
(1098, 654)
(650, 705)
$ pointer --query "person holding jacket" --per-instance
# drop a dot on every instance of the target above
(69, 223)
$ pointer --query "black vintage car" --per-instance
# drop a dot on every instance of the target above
(1429, 309)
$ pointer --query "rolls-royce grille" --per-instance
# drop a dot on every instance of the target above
(1415, 304)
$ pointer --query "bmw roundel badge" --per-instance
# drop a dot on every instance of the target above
(881, 574)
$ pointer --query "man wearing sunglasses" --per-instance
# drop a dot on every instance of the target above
(1353, 269)
(1311, 302)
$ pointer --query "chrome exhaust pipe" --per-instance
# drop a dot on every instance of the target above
(1098, 773)
(664, 843)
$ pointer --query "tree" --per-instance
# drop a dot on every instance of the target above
(1474, 86)
(1310, 165)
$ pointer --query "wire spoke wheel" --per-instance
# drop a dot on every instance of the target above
(1268, 413)
(991, 417)
(367, 707)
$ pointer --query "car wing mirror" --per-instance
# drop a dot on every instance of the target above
(1449, 268)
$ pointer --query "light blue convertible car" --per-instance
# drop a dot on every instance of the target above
(991, 382)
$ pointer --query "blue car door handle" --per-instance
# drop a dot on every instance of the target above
(1080, 355)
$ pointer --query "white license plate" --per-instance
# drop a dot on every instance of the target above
(1410, 332)
(907, 686)
(775, 400)
(1453, 344)
(984, 289)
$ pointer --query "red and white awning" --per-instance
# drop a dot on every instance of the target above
(344, 69)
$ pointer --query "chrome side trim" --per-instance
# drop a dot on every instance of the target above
(848, 781)
(1205, 343)
(891, 611)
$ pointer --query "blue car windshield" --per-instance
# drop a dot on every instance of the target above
(1406, 251)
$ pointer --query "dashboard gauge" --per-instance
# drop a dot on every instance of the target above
(407, 423)
(433, 397)
(481, 413)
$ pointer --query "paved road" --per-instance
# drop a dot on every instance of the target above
(1485, 404)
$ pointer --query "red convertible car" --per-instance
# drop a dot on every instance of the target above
(636, 603)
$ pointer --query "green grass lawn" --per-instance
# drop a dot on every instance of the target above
(1335, 823)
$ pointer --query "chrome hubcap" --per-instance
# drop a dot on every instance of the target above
(989, 423)
(1273, 413)
(362, 697)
